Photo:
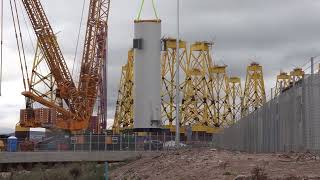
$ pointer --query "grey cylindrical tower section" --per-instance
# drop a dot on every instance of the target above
(147, 76)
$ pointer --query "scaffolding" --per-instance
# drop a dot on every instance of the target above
(254, 92)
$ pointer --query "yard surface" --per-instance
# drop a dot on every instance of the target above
(206, 163)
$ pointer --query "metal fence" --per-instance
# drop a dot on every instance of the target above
(120, 142)
(289, 122)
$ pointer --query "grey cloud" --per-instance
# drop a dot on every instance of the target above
(277, 34)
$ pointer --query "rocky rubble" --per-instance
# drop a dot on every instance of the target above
(205, 163)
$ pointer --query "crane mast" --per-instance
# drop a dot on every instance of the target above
(80, 101)
(94, 54)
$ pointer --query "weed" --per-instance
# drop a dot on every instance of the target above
(259, 173)
(75, 172)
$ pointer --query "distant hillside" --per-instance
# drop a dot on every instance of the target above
(4, 130)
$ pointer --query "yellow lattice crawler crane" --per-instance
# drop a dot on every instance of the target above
(254, 92)
(296, 75)
(221, 93)
(168, 78)
(235, 98)
(75, 112)
(283, 81)
(124, 107)
(197, 103)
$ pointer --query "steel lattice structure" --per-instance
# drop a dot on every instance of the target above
(197, 100)
(78, 102)
(210, 99)
(296, 75)
(254, 91)
(221, 94)
(283, 81)
(42, 82)
(168, 77)
(124, 106)
(235, 98)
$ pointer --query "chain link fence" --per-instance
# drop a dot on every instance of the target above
(120, 142)
(289, 122)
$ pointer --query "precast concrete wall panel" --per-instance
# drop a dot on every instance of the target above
(289, 122)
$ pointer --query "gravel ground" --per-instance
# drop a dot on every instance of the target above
(205, 163)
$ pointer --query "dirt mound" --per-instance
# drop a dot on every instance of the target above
(205, 163)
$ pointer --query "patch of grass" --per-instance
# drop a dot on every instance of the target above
(292, 177)
(227, 173)
(120, 164)
(75, 172)
(87, 171)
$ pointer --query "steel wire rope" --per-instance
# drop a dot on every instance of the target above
(31, 42)
(78, 38)
(140, 10)
(153, 7)
(154, 10)
(1, 48)
(18, 45)
(309, 67)
(27, 27)
(21, 41)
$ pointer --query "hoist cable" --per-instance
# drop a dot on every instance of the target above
(154, 10)
(141, 7)
(18, 46)
(21, 41)
(27, 27)
(78, 38)
(1, 48)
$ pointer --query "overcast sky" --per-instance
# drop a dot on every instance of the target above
(279, 34)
